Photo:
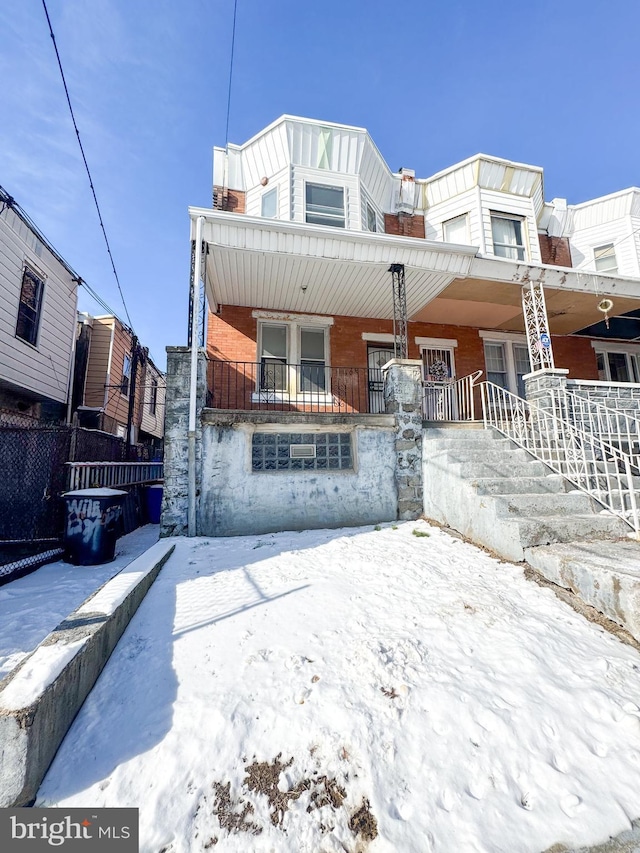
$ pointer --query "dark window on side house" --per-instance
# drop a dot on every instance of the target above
(30, 306)
(153, 401)
(126, 376)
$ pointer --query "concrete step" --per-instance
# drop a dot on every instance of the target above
(488, 454)
(468, 445)
(550, 484)
(499, 468)
(560, 505)
(461, 434)
(545, 530)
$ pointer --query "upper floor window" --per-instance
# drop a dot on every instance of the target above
(153, 397)
(325, 205)
(508, 237)
(269, 204)
(605, 258)
(30, 307)
(456, 230)
(372, 224)
(126, 376)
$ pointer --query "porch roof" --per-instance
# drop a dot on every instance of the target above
(292, 266)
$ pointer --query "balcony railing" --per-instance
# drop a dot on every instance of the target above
(114, 475)
(277, 386)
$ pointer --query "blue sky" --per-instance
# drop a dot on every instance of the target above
(554, 83)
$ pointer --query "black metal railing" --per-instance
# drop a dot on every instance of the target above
(278, 386)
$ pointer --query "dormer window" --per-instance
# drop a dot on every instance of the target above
(508, 237)
(605, 259)
(30, 306)
(372, 224)
(456, 230)
(325, 205)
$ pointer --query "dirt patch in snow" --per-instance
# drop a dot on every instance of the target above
(263, 779)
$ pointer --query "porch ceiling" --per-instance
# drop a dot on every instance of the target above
(291, 266)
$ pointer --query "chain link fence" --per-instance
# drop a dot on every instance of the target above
(33, 457)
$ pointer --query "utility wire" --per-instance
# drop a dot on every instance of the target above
(233, 42)
(86, 165)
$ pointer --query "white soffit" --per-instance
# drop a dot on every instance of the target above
(295, 267)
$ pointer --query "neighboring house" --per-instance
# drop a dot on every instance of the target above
(106, 357)
(38, 298)
(311, 248)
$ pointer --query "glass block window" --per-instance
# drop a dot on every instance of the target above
(271, 451)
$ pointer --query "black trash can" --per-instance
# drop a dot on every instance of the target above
(92, 526)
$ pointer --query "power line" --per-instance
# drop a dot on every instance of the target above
(86, 165)
(233, 42)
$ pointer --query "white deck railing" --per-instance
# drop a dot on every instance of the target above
(614, 426)
(114, 475)
(593, 464)
(451, 399)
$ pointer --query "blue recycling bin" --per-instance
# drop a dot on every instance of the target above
(92, 526)
(154, 503)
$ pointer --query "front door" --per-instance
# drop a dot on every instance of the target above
(377, 356)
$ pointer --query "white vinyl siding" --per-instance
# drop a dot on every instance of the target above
(43, 371)
(611, 220)
(281, 183)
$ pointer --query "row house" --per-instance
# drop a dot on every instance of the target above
(321, 266)
(38, 303)
(107, 395)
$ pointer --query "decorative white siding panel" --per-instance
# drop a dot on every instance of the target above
(619, 232)
(43, 369)
(375, 176)
(464, 203)
(318, 146)
(517, 206)
(266, 156)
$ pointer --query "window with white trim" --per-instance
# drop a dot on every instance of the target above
(604, 259)
(324, 205)
(456, 230)
(269, 204)
(293, 357)
(30, 306)
(372, 223)
(615, 364)
(506, 361)
(508, 237)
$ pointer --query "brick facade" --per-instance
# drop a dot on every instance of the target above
(555, 250)
(404, 225)
(233, 201)
(232, 336)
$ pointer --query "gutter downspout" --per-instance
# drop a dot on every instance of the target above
(193, 385)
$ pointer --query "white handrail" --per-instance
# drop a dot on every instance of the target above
(612, 425)
(595, 466)
(451, 399)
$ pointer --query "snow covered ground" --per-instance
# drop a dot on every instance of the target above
(357, 690)
(32, 606)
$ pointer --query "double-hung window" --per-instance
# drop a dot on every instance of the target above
(508, 237)
(372, 223)
(506, 361)
(324, 205)
(615, 364)
(153, 397)
(30, 306)
(605, 259)
(293, 357)
(456, 230)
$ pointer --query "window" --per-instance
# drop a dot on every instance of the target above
(293, 357)
(617, 365)
(506, 360)
(315, 451)
(605, 260)
(30, 306)
(372, 224)
(126, 376)
(325, 205)
(269, 204)
(456, 230)
(153, 397)
(508, 237)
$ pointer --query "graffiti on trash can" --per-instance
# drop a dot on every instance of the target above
(86, 518)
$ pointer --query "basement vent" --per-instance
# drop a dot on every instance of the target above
(302, 451)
